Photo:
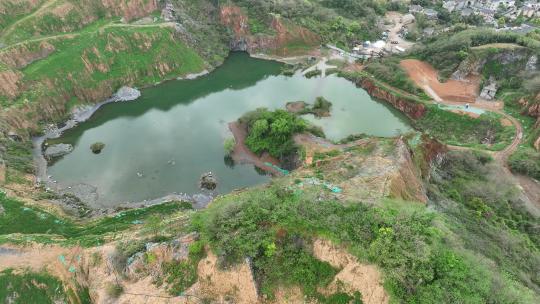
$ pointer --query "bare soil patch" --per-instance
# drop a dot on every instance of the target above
(426, 77)
(243, 155)
(354, 275)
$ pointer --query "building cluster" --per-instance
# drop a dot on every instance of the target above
(488, 8)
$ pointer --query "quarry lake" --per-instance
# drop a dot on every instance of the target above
(162, 142)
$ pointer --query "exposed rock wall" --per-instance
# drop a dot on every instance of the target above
(242, 40)
(131, 9)
(9, 83)
(410, 108)
(531, 108)
(20, 56)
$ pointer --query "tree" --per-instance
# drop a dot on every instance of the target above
(153, 224)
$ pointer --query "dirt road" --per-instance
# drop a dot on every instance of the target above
(426, 77)
(455, 92)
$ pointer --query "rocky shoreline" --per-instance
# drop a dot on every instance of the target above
(86, 197)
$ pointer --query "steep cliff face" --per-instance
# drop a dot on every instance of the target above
(410, 108)
(130, 9)
(286, 38)
(9, 83)
(44, 91)
(22, 55)
(61, 17)
(531, 108)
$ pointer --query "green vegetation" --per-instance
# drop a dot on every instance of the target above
(103, 64)
(449, 50)
(485, 131)
(274, 227)
(272, 132)
(180, 275)
(229, 144)
(97, 147)
(526, 161)
(18, 155)
(313, 73)
(29, 287)
(114, 290)
(320, 108)
(16, 216)
(358, 77)
(337, 22)
(389, 71)
(484, 214)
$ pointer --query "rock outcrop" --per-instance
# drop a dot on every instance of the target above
(531, 108)
(489, 90)
(208, 181)
(126, 94)
(412, 109)
(130, 10)
(243, 40)
(58, 150)
(22, 55)
(9, 83)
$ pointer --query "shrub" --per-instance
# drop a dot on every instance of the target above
(391, 72)
(114, 290)
(526, 161)
(272, 132)
(97, 147)
(313, 73)
(229, 144)
(322, 105)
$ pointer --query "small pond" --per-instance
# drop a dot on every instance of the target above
(163, 142)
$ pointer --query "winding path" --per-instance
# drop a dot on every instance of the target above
(530, 187)
(43, 7)
(77, 34)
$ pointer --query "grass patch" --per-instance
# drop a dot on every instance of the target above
(16, 217)
(42, 288)
(274, 227)
(466, 130)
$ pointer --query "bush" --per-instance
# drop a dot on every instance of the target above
(97, 147)
(322, 104)
(272, 132)
(391, 72)
(273, 227)
(114, 290)
(466, 130)
(526, 161)
(229, 144)
(313, 73)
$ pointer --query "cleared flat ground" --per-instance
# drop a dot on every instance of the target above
(426, 77)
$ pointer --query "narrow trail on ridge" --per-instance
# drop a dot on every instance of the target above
(42, 8)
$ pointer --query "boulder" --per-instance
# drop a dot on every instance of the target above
(126, 94)
(208, 181)
(488, 91)
(58, 150)
(97, 147)
(531, 63)
(14, 136)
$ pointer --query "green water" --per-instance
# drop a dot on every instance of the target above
(185, 122)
